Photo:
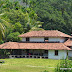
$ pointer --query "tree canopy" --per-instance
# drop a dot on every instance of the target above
(21, 16)
(21, 19)
(56, 14)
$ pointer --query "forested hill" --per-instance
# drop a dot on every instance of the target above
(56, 14)
(21, 16)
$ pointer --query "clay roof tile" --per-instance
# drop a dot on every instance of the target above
(45, 33)
(46, 46)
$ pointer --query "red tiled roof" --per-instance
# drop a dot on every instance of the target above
(68, 42)
(45, 33)
(47, 46)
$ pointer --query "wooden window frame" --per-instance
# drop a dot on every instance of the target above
(46, 51)
(46, 39)
(56, 52)
(27, 39)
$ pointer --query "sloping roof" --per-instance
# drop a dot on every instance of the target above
(47, 46)
(45, 33)
(68, 42)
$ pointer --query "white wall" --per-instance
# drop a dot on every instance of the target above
(23, 39)
(34, 39)
(41, 39)
(70, 53)
(62, 39)
(61, 54)
(54, 39)
(37, 39)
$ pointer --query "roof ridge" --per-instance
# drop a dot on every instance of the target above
(44, 33)
(58, 32)
(61, 32)
(52, 46)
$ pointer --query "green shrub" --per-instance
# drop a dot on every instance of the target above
(13, 37)
(64, 64)
(70, 58)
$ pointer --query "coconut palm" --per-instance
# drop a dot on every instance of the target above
(3, 27)
(1, 30)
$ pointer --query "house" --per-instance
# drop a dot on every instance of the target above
(39, 44)
(68, 43)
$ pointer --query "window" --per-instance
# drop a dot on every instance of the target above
(56, 52)
(66, 39)
(46, 51)
(46, 39)
(27, 39)
(70, 38)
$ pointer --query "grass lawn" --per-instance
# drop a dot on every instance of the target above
(28, 65)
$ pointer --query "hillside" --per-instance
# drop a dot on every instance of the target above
(28, 15)
(56, 14)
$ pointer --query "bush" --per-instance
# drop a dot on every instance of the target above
(13, 37)
(1, 41)
(70, 58)
(64, 64)
(4, 53)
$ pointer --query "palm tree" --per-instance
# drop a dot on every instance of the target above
(3, 26)
(1, 30)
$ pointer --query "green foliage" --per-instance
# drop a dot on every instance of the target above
(28, 15)
(20, 18)
(13, 37)
(4, 53)
(3, 26)
(15, 16)
(18, 27)
(1, 42)
(35, 29)
(56, 14)
(64, 64)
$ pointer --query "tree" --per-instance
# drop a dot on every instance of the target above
(13, 37)
(56, 14)
(3, 27)
(1, 31)
(35, 29)
(18, 27)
